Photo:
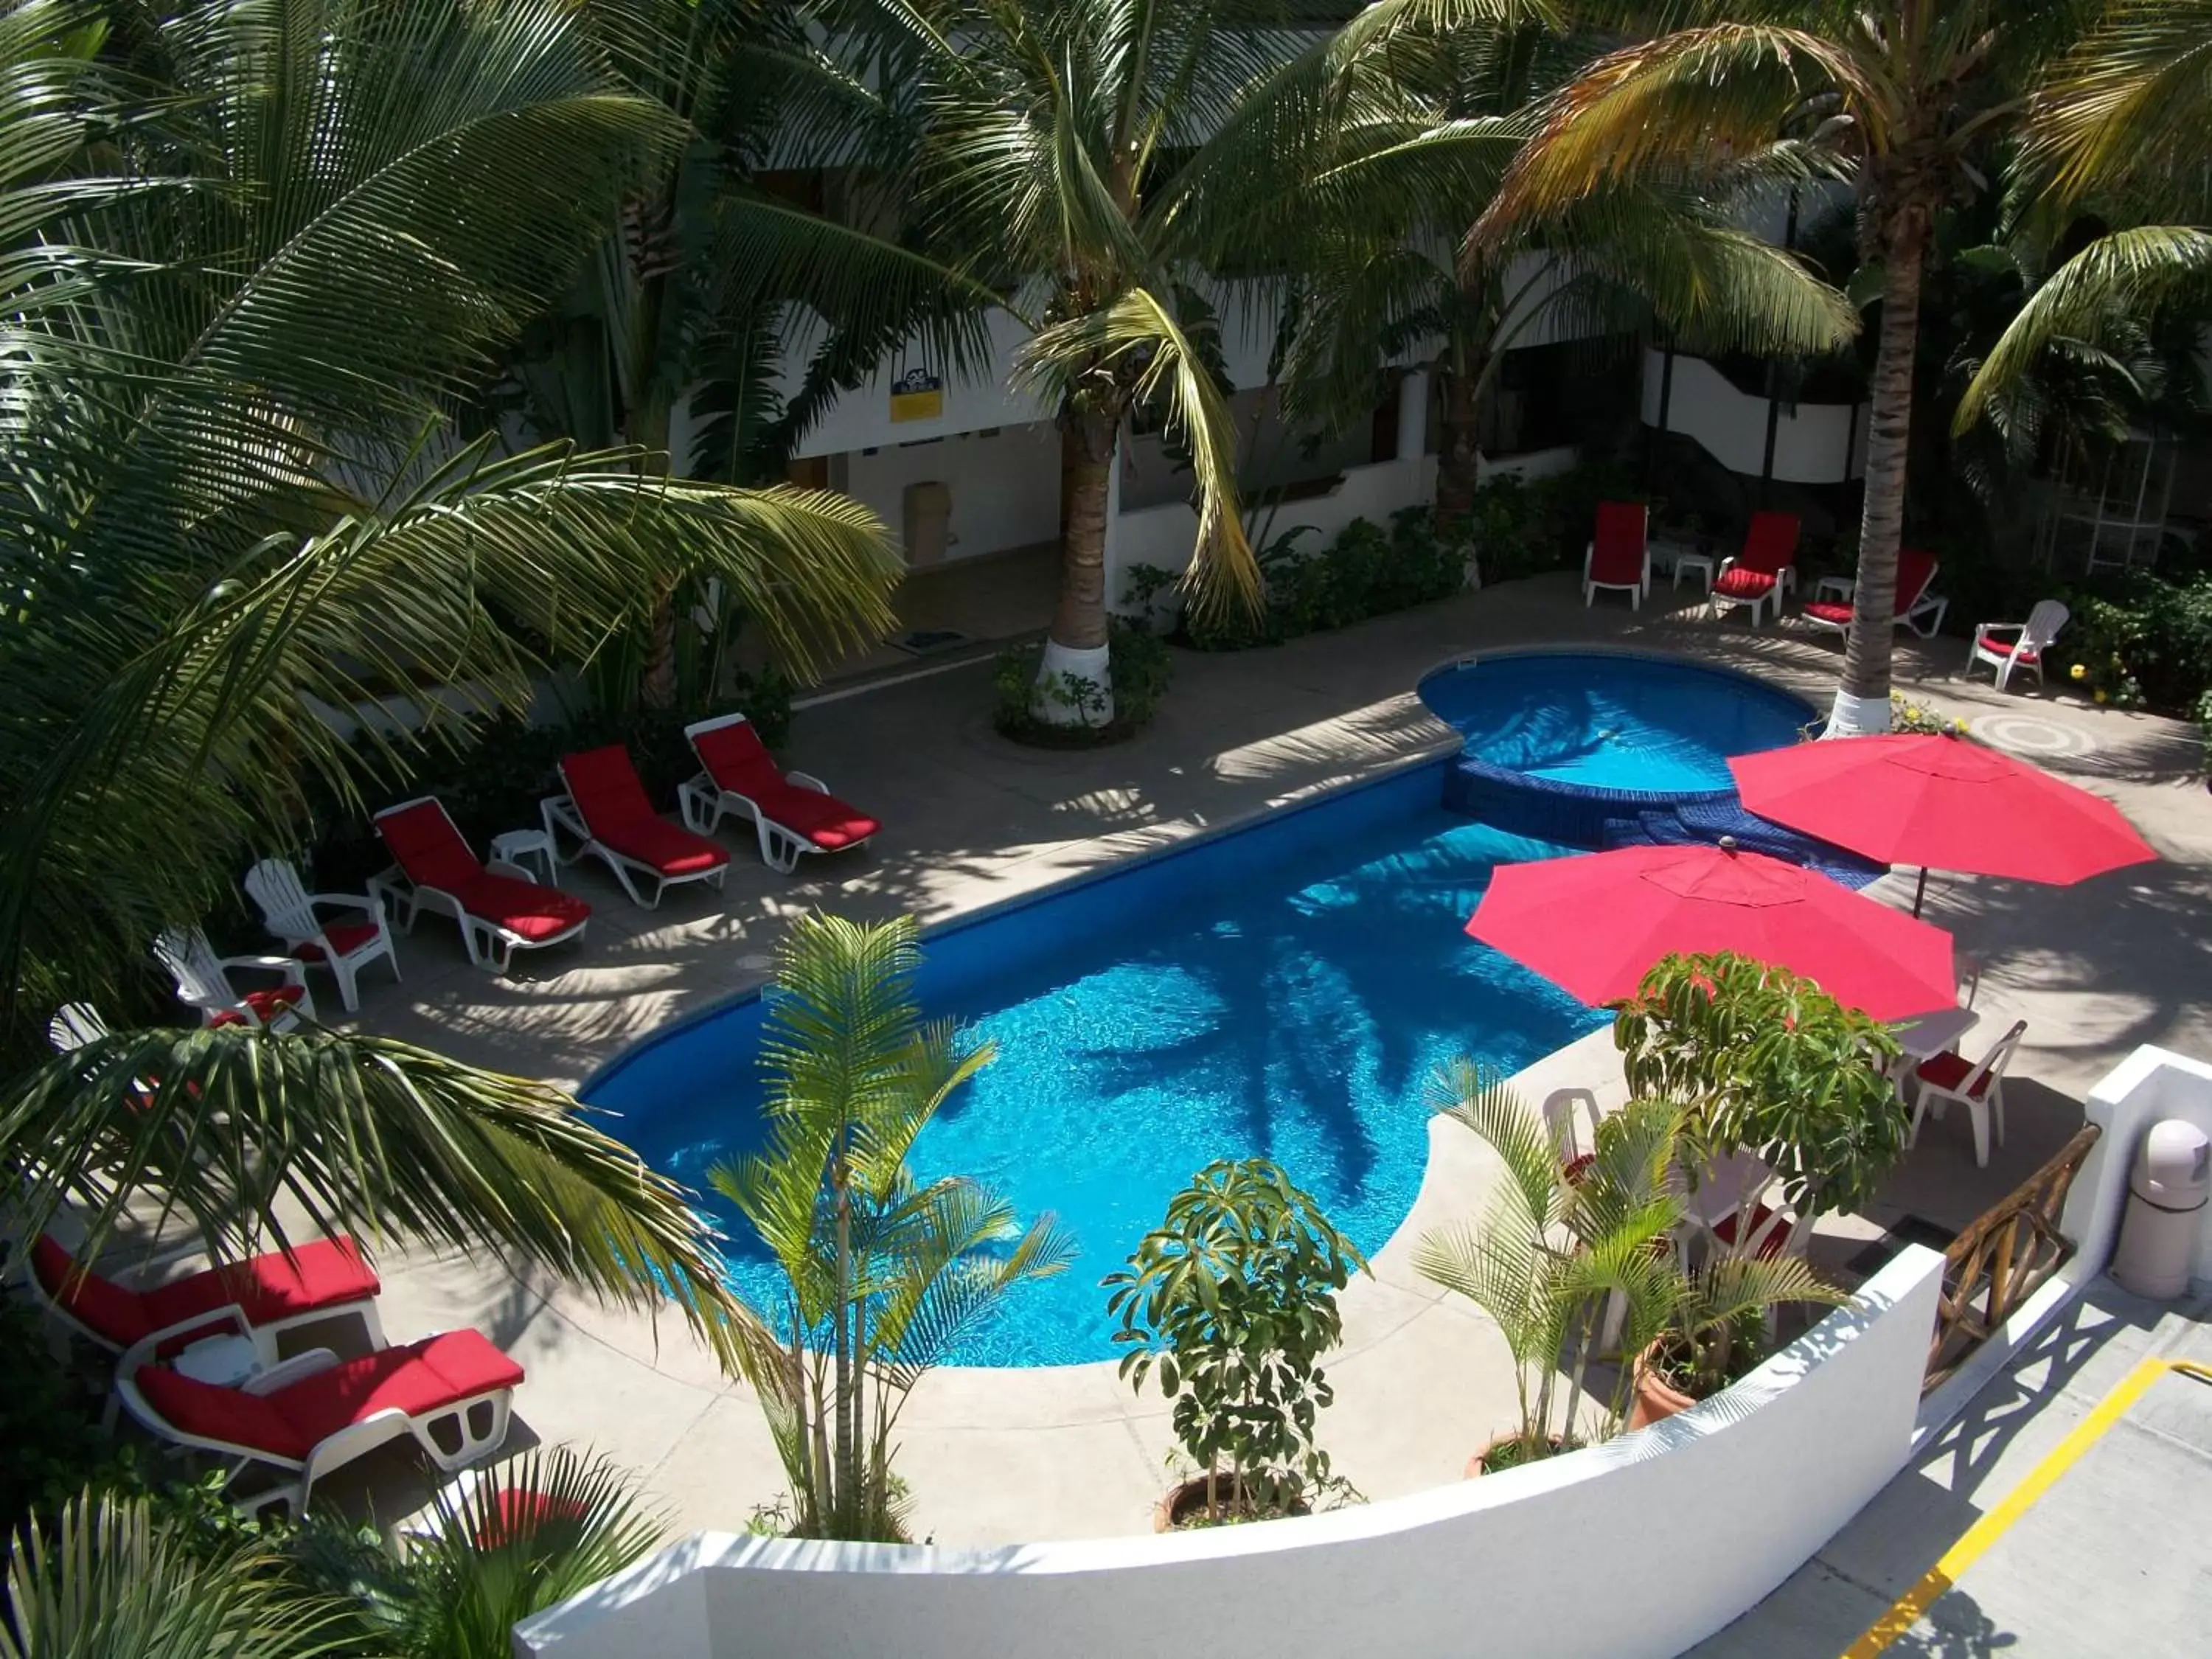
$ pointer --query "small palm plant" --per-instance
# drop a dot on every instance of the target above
(882, 1272)
(1718, 1330)
(1560, 1257)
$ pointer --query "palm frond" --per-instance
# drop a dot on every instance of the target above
(231, 1129)
(1486, 1104)
(2104, 291)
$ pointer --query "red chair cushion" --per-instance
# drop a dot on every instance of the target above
(100, 1305)
(266, 1005)
(327, 1273)
(1617, 558)
(1948, 1071)
(428, 849)
(737, 759)
(1770, 542)
(1771, 1246)
(605, 786)
(523, 908)
(345, 937)
(665, 849)
(2011, 648)
(1827, 611)
(1915, 570)
(1738, 583)
(827, 821)
(1578, 1168)
(514, 1513)
(421, 1379)
(230, 1415)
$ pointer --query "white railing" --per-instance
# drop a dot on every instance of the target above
(1641, 1545)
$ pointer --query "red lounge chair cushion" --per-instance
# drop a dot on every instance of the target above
(421, 1379)
(663, 848)
(430, 851)
(1617, 560)
(2012, 649)
(324, 1273)
(230, 1415)
(514, 1515)
(612, 804)
(522, 908)
(1771, 1247)
(99, 1305)
(266, 1005)
(1578, 1168)
(1827, 611)
(1948, 1071)
(345, 937)
(1770, 543)
(738, 761)
(1738, 583)
(1915, 570)
(827, 821)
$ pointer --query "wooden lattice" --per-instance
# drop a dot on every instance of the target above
(2004, 1258)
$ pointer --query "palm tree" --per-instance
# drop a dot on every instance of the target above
(2124, 120)
(1095, 170)
(882, 1272)
(1404, 171)
(1914, 96)
(240, 310)
(1553, 1251)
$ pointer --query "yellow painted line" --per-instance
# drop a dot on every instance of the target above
(1906, 1611)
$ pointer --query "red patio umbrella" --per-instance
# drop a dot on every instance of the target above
(1942, 802)
(1595, 924)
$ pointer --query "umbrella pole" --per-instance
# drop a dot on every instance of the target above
(1920, 892)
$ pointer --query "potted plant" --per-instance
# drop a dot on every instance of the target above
(1764, 1061)
(1231, 1304)
(1567, 1259)
(1717, 1331)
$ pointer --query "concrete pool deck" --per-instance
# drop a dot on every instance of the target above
(1069, 1452)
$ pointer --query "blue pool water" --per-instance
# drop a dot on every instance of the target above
(1285, 991)
(1608, 721)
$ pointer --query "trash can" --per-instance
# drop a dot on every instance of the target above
(2167, 1189)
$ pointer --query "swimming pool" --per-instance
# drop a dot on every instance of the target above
(1282, 991)
(1609, 720)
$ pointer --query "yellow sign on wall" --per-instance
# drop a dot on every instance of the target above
(917, 395)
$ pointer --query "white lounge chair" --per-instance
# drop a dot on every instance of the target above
(607, 811)
(1980, 1088)
(74, 1024)
(204, 983)
(793, 813)
(501, 907)
(452, 1392)
(1917, 608)
(1764, 572)
(2026, 649)
(288, 909)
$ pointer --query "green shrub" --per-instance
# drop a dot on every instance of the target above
(2143, 642)
(52, 1445)
(1142, 667)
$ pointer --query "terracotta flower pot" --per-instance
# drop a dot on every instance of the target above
(1185, 1502)
(1656, 1397)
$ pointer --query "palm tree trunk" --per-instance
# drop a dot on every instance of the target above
(1459, 462)
(1862, 699)
(1076, 646)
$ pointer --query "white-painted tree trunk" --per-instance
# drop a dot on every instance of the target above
(1857, 717)
(1063, 670)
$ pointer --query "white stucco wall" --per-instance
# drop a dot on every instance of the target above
(1809, 443)
(1639, 1546)
(1005, 485)
(2151, 1085)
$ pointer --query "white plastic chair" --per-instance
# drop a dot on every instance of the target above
(288, 909)
(204, 983)
(1569, 1138)
(74, 1025)
(2035, 636)
(1979, 1088)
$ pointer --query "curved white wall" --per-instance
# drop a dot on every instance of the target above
(1640, 1546)
(1813, 442)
